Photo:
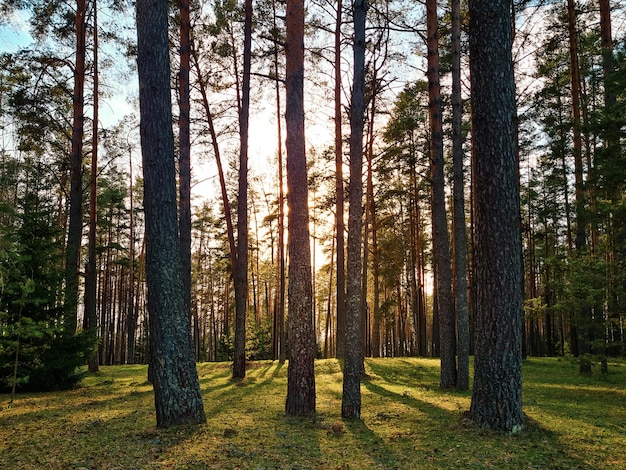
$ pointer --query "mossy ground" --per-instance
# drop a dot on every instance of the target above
(573, 422)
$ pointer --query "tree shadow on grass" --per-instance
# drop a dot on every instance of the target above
(375, 446)
(409, 372)
(443, 437)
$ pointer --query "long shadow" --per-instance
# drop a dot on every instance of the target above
(423, 406)
(552, 450)
(292, 442)
(408, 373)
(45, 405)
(375, 446)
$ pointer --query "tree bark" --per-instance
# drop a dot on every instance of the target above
(241, 273)
(75, 225)
(184, 152)
(608, 61)
(441, 240)
(301, 373)
(279, 320)
(497, 392)
(133, 297)
(91, 316)
(339, 193)
(460, 235)
(353, 365)
(176, 388)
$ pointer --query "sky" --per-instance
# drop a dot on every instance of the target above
(14, 34)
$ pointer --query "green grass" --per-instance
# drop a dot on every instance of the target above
(573, 422)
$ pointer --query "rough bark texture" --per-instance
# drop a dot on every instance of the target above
(353, 364)
(441, 239)
(497, 392)
(241, 273)
(75, 225)
(460, 235)
(339, 193)
(90, 317)
(300, 374)
(184, 153)
(176, 388)
(279, 316)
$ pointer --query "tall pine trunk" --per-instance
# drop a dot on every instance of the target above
(91, 316)
(339, 193)
(583, 323)
(75, 226)
(371, 209)
(460, 235)
(497, 392)
(441, 241)
(184, 152)
(279, 309)
(301, 372)
(353, 365)
(133, 295)
(241, 273)
(175, 380)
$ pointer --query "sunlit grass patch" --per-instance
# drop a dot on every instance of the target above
(572, 421)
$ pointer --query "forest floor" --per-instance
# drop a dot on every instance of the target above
(572, 422)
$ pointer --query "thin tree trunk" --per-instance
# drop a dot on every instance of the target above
(413, 259)
(329, 303)
(241, 273)
(301, 373)
(184, 152)
(584, 317)
(230, 231)
(339, 192)
(353, 365)
(91, 316)
(279, 331)
(132, 297)
(375, 339)
(579, 239)
(441, 243)
(460, 236)
(75, 226)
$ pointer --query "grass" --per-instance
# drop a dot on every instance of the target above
(573, 422)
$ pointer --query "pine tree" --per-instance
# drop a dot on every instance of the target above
(497, 393)
(175, 380)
